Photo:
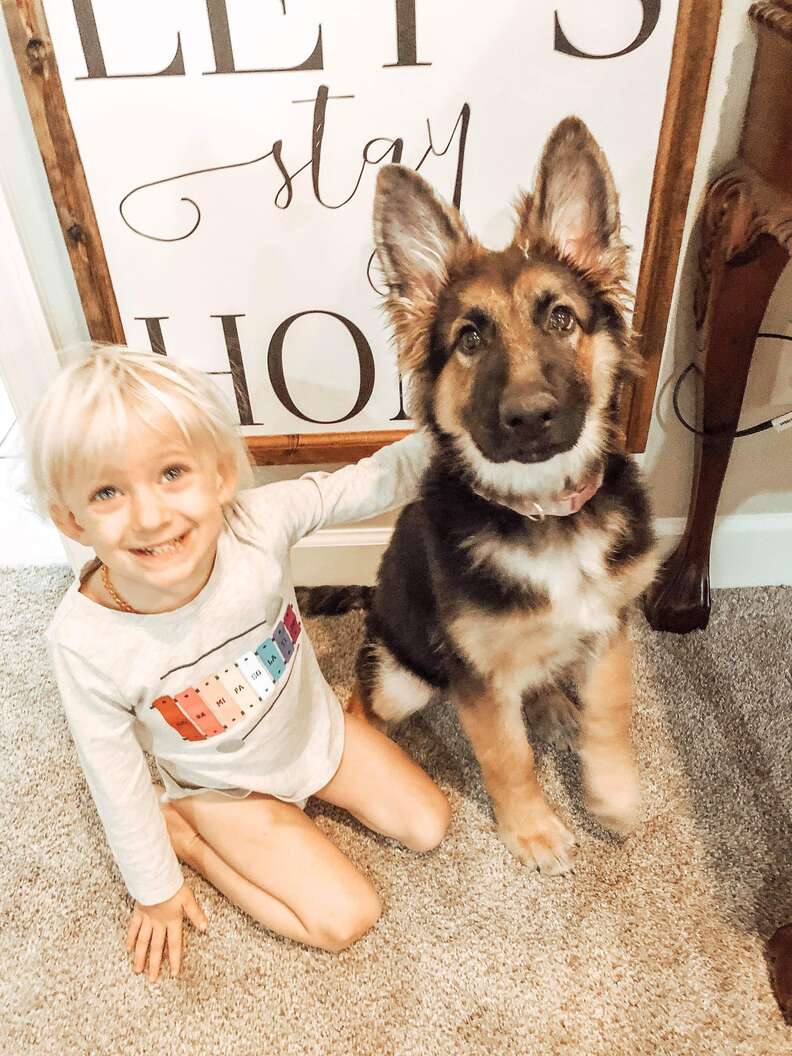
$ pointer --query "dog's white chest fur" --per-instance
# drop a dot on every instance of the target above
(519, 647)
(572, 573)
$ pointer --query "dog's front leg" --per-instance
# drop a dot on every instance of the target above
(527, 824)
(609, 774)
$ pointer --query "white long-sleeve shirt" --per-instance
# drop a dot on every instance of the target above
(226, 691)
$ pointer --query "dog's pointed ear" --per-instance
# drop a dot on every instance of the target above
(415, 232)
(574, 206)
(417, 237)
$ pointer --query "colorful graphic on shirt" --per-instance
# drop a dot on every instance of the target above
(283, 641)
(219, 701)
(256, 674)
(197, 712)
(271, 658)
(175, 717)
(240, 689)
(291, 623)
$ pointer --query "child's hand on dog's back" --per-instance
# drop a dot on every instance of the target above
(152, 927)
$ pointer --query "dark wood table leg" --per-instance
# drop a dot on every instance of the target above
(739, 265)
(779, 962)
(746, 241)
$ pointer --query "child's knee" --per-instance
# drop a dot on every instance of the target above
(428, 823)
(349, 921)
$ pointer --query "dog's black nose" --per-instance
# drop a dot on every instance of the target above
(528, 416)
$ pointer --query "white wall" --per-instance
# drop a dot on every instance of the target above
(759, 479)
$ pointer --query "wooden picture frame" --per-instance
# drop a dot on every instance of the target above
(686, 92)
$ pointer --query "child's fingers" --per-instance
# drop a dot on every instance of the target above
(133, 929)
(175, 946)
(141, 946)
(194, 911)
(155, 951)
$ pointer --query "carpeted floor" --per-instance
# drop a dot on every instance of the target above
(653, 946)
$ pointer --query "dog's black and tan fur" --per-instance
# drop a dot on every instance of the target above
(516, 358)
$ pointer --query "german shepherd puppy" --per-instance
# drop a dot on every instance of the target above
(513, 573)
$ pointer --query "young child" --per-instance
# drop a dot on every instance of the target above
(184, 638)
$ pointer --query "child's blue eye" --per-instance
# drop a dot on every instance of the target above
(103, 494)
(174, 472)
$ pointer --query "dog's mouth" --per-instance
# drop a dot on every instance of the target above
(525, 454)
(531, 455)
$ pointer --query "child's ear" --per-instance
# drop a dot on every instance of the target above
(66, 522)
(227, 480)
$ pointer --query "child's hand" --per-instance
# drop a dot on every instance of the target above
(151, 926)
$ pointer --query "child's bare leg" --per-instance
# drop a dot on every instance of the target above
(182, 834)
(378, 783)
(269, 859)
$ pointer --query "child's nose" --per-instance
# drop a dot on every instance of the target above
(148, 510)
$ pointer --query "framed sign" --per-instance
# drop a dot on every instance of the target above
(213, 168)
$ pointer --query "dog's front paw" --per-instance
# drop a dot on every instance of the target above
(613, 793)
(542, 841)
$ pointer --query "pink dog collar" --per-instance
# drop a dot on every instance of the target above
(562, 505)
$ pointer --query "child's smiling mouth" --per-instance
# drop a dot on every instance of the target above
(172, 546)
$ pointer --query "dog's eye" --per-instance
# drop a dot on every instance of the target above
(469, 340)
(561, 318)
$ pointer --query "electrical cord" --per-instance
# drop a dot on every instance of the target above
(783, 421)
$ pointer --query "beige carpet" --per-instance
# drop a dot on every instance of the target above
(652, 947)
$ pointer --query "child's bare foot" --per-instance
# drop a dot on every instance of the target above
(182, 835)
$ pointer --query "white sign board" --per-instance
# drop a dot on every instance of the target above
(231, 151)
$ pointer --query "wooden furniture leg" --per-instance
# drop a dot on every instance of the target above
(739, 267)
(745, 244)
(779, 961)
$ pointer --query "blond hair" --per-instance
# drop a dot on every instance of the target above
(84, 415)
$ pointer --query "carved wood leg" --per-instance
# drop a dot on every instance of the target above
(739, 266)
(779, 959)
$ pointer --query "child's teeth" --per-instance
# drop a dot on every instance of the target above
(165, 548)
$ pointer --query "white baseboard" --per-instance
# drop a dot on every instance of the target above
(339, 556)
(748, 550)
